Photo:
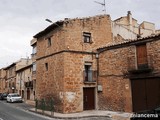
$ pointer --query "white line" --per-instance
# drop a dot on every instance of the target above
(1, 119)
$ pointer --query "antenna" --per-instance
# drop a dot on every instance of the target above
(103, 5)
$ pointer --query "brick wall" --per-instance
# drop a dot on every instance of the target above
(116, 88)
(64, 79)
(114, 66)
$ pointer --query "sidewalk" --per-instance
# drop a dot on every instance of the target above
(87, 114)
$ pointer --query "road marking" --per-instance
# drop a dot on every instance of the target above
(1, 119)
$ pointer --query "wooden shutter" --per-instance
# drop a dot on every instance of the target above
(141, 56)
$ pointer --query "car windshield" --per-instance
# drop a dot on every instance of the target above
(15, 95)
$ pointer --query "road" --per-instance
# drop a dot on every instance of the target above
(19, 111)
(11, 112)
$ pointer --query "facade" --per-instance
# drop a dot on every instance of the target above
(11, 74)
(66, 62)
(24, 82)
(129, 75)
(2, 80)
(33, 57)
(10, 78)
(128, 28)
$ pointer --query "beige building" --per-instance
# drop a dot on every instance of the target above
(11, 74)
(127, 28)
(24, 82)
(2, 80)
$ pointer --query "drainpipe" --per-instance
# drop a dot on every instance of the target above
(97, 57)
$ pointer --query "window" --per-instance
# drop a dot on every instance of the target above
(49, 41)
(34, 50)
(46, 66)
(34, 67)
(87, 37)
(88, 73)
(141, 56)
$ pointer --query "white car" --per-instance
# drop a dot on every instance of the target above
(14, 97)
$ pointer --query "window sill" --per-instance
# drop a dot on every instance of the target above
(90, 82)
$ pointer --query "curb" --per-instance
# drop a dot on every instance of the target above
(79, 117)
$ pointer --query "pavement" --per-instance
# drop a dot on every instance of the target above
(99, 114)
(85, 115)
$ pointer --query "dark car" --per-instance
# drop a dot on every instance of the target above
(3, 96)
(153, 114)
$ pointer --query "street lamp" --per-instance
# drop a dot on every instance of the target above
(48, 20)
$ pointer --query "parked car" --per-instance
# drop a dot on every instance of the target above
(14, 97)
(3, 96)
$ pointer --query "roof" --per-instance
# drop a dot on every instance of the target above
(13, 64)
(123, 17)
(49, 28)
(129, 42)
(61, 22)
(23, 68)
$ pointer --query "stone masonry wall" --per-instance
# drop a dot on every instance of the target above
(74, 80)
(98, 26)
(113, 66)
(50, 82)
(64, 79)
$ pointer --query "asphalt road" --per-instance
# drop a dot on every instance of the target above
(11, 112)
(19, 111)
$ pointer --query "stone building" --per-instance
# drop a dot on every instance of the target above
(66, 62)
(11, 74)
(24, 82)
(129, 75)
(10, 78)
(2, 80)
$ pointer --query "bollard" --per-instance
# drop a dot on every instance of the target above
(36, 104)
(52, 108)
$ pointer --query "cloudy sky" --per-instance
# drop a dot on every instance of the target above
(21, 19)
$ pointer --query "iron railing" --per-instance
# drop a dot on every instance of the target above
(45, 105)
(133, 65)
(90, 76)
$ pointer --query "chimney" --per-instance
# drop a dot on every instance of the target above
(129, 16)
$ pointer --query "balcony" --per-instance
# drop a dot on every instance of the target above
(134, 68)
(29, 84)
(90, 76)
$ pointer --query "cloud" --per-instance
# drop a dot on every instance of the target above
(21, 19)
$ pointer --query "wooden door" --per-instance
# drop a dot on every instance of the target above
(28, 94)
(145, 94)
(141, 56)
(89, 98)
(138, 95)
(153, 93)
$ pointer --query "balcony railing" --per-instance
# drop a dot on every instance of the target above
(29, 84)
(90, 76)
(133, 66)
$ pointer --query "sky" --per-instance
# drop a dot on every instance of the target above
(20, 20)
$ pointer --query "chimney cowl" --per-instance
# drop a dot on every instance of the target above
(129, 12)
